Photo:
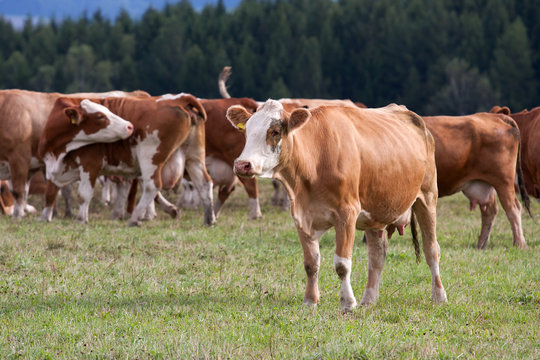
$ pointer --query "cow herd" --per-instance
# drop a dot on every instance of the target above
(342, 165)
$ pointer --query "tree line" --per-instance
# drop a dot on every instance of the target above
(435, 56)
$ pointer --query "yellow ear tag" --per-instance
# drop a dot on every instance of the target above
(241, 126)
(74, 121)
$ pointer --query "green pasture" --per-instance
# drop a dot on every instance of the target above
(173, 289)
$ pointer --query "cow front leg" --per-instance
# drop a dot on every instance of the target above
(312, 262)
(149, 191)
(345, 232)
(377, 247)
(86, 192)
(252, 189)
(203, 183)
(18, 167)
(51, 193)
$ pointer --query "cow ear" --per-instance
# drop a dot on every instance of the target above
(500, 110)
(297, 119)
(74, 115)
(238, 116)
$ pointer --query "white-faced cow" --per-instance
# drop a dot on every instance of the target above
(23, 115)
(346, 168)
(161, 128)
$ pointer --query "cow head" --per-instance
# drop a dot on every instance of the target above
(265, 132)
(93, 122)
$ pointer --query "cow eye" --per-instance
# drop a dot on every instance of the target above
(275, 133)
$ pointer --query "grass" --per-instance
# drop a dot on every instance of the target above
(175, 289)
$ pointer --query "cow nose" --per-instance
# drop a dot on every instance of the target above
(130, 128)
(243, 168)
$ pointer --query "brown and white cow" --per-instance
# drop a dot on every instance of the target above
(23, 115)
(528, 123)
(478, 155)
(162, 128)
(347, 168)
(224, 144)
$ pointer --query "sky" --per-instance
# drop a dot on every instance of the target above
(18, 10)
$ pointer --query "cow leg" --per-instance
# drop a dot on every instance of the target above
(377, 247)
(312, 261)
(150, 212)
(489, 212)
(68, 199)
(86, 192)
(250, 184)
(122, 194)
(27, 207)
(203, 183)
(150, 187)
(425, 210)
(512, 207)
(345, 232)
(51, 192)
(18, 167)
(276, 194)
(223, 194)
(166, 205)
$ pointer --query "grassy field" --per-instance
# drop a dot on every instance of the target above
(175, 289)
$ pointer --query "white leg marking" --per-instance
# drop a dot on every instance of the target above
(254, 209)
(343, 269)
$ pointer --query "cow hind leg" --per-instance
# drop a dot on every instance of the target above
(512, 207)
(425, 211)
(51, 193)
(19, 178)
(68, 200)
(489, 212)
(166, 205)
(377, 247)
(122, 190)
(149, 193)
(483, 194)
(223, 194)
(203, 183)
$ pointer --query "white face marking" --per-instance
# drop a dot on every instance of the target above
(116, 130)
(171, 96)
(263, 157)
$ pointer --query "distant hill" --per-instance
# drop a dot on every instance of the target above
(17, 10)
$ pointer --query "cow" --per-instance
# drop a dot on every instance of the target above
(166, 130)
(347, 168)
(23, 115)
(478, 155)
(528, 123)
(223, 144)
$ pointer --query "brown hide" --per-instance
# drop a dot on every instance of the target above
(529, 127)
(23, 115)
(479, 149)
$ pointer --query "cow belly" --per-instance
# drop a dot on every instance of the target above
(221, 173)
(478, 192)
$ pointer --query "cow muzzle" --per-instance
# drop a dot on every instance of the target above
(243, 168)
(129, 128)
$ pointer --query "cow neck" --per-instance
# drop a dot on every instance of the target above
(292, 169)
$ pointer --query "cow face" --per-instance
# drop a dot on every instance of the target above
(96, 123)
(265, 132)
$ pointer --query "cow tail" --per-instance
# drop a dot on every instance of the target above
(415, 238)
(222, 82)
(521, 184)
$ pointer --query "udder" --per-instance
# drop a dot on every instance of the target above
(478, 192)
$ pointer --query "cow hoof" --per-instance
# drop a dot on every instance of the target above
(134, 223)
(30, 209)
(173, 212)
(68, 215)
(255, 217)
(210, 221)
(82, 221)
(309, 303)
(347, 306)
(438, 296)
(521, 245)
(370, 297)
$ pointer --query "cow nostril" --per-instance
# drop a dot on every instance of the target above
(247, 166)
(130, 127)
